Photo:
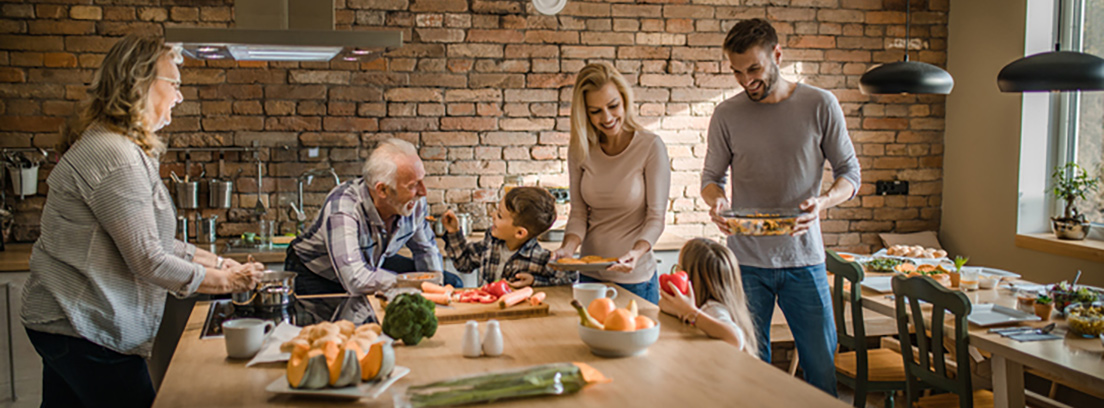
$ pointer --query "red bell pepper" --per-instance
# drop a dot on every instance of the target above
(679, 278)
(497, 288)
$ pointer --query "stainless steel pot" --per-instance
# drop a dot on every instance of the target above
(205, 229)
(218, 193)
(275, 289)
(465, 223)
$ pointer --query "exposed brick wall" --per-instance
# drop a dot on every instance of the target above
(483, 87)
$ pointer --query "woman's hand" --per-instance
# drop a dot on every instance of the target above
(230, 263)
(811, 208)
(245, 277)
(715, 215)
(626, 263)
(451, 223)
(677, 305)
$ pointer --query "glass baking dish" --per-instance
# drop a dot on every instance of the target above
(761, 221)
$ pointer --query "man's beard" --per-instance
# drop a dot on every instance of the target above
(768, 84)
(402, 208)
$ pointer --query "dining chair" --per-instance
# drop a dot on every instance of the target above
(862, 369)
(927, 363)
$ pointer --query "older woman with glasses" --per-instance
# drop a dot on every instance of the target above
(107, 256)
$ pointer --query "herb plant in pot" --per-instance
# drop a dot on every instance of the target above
(1071, 182)
(1044, 306)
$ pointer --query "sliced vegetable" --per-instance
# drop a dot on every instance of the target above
(307, 368)
(430, 287)
(438, 298)
(497, 288)
(379, 362)
(514, 298)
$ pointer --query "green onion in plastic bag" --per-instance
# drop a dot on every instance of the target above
(548, 379)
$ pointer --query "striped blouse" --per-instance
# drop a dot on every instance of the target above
(107, 255)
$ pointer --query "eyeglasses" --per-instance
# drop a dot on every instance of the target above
(175, 82)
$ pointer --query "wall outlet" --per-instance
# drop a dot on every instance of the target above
(891, 187)
(312, 152)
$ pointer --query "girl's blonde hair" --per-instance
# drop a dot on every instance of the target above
(119, 91)
(715, 274)
(584, 135)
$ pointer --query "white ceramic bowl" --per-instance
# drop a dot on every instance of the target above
(988, 281)
(607, 343)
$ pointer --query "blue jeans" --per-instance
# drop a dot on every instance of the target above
(79, 373)
(802, 294)
(649, 289)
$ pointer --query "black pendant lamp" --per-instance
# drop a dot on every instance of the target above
(1053, 71)
(906, 77)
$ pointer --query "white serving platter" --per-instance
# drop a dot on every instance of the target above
(880, 284)
(363, 390)
(988, 314)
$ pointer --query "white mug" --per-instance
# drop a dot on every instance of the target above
(244, 337)
(587, 292)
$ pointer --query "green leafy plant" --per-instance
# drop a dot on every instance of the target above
(1043, 300)
(959, 262)
(1072, 182)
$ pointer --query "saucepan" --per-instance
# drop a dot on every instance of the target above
(275, 289)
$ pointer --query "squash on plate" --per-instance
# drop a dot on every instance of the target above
(379, 362)
(307, 368)
(345, 366)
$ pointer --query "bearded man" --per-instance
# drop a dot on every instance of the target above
(775, 138)
(365, 221)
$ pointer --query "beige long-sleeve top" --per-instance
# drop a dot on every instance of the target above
(619, 200)
(107, 256)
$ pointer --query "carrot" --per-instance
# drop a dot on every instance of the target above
(536, 299)
(430, 287)
(438, 298)
(514, 297)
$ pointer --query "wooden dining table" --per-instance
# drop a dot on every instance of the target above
(1073, 359)
(684, 368)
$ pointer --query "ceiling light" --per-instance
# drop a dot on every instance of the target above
(906, 77)
(1053, 71)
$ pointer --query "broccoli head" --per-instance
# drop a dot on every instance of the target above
(410, 317)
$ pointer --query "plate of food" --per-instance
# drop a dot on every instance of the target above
(589, 263)
(370, 389)
(913, 252)
(761, 221)
(884, 264)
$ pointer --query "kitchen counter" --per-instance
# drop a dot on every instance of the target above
(666, 242)
(16, 257)
(683, 368)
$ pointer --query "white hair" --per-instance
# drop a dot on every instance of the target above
(383, 163)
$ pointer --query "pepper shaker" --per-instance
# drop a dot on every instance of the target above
(492, 340)
(471, 345)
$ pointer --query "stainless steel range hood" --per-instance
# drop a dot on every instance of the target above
(283, 30)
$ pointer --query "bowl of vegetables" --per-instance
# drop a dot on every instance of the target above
(1065, 294)
(1086, 319)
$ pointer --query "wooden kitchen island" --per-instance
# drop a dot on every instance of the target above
(683, 368)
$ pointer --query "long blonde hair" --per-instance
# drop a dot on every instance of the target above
(119, 91)
(715, 274)
(584, 136)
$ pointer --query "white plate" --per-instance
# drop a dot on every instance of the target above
(549, 7)
(880, 284)
(587, 267)
(365, 389)
(883, 253)
(858, 257)
(988, 314)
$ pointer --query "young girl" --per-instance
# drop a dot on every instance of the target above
(718, 305)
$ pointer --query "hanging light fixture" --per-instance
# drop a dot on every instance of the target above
(906, 77)
(1053, 71)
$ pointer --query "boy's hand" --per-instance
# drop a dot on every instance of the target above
(452, 224)
(522, 280)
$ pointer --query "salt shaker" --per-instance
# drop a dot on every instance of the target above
(471, 345)
(492, 339)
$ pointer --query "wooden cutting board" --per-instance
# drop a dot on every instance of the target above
(457, 312)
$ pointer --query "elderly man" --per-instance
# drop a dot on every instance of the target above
(365, 221)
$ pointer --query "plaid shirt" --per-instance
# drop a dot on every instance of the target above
(348, 241)
(486, 255)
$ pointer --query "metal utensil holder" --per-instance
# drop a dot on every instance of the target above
(205, 229)
(187, 195)
(218, 194)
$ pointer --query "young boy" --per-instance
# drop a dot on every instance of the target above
(510, 250)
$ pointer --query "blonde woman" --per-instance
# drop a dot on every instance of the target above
(715, 303)
(620, 180)
(107, 256)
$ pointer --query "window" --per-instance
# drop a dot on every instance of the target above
(1083, 133)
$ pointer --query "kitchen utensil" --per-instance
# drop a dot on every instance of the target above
(492, 340)
(275, 289)
(182, 228)
(259, 209)
(470, 347)
(465, 223)
(24, 179)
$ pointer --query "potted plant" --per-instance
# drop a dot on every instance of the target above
(1071, 182)
(1044, 306)
(956, 274)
